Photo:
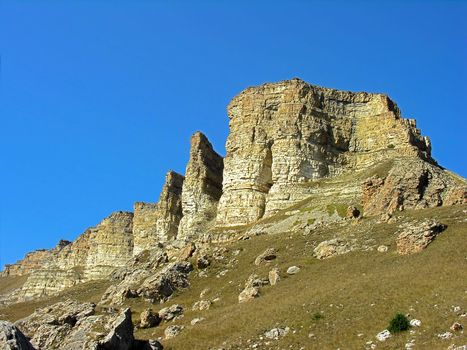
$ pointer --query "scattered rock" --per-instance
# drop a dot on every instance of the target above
(172, 331)
(171, 312)
(162, 285)
(415, 323)
(248, 294)
(268, 255)
(456, 327)
(204, 292)
(151, 344)
(274, 276)
(383, 248)
(332, 248)
(255, 281)
(383, 335)
(202, 305)
(292, 270)
(276, 333)
(197, 320)
(445, 335)
(11, 338)
(416, 236)
(149, 319)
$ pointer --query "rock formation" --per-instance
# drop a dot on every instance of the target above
(202, 187)
(159, 222)
(290, 132)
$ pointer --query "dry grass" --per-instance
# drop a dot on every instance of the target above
(356, 293)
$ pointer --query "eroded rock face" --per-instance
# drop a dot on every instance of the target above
(410, 184)
(290, 132)
(11, 338)
(154, 223)
(416, 236)
(112, 245)
(202, 187)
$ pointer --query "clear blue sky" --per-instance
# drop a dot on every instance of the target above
(99, 98)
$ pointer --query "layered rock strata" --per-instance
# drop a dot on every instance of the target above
(290, 132)
(202, 187)
(158, 222)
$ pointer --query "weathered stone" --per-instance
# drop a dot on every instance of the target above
(456, 327)
(383, 248)
(201, 305)
(248, 294)
(332, 247)
(187, 251)
(255, 281)
(290, 132)
(121, 336)
(268, 255)
(292, 270)
(416, 236)
(172, 331)
(172, 277)
(11, 338)
(410, 184)
(171, 312)
(202, 188)
(277, 333)
(274, 276)
(149, 319)
(159, 222)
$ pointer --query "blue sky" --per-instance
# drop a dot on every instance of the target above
(98, 99)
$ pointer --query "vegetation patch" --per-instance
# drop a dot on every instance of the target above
(399, 324)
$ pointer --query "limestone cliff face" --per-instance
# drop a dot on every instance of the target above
(159, 222)
(112, 245)
(202, 187)
(290, 132)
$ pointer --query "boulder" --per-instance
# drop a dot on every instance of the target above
(149, 319)
(163, 284)
(248, 294)
(268, 255)
(292, 270)
(171, 312)
(202, 262)
(274, 276)
(352, 212)
(416, 236)
(332, 247)
(202, 305)
(121, 335)
(11, 338)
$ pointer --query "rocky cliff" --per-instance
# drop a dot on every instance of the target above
(291, 132)
(289, 141)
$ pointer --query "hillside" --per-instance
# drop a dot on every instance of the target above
(327, 217)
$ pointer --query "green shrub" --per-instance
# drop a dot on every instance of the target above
(398, 324)
(317, 316)
(391, 146)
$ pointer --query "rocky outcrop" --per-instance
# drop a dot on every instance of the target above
(410, 184)
(73, 325)
(11, 338)
(112, 245)
(202, 187)
(154, 223)
(333, 247)
(290, 132)
(172, 277)
(416, 236)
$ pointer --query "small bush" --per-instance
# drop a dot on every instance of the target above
(398, 324)
(391, 146)
(317, 316)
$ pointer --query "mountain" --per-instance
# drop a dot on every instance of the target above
(327, 215)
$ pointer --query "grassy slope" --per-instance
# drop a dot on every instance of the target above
(365, 290)
(357, 293)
